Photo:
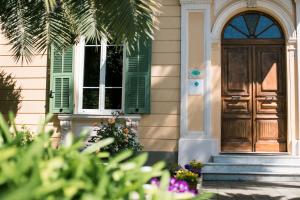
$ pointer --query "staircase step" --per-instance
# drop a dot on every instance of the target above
(260, 177)
(252, 168)
(249, 159)
(240, 168)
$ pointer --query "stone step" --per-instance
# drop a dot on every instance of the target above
(259, 177)
(244, 168)
(254, 159)
(251, 167)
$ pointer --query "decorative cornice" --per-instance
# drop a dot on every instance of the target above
(251, 3)
(195, 2)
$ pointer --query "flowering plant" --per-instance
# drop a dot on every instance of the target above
(194, 167)
(173, 168)
(121, 130)
(188, 176)
(176, 186)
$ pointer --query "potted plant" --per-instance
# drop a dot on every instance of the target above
(195, 167)
(190, 177)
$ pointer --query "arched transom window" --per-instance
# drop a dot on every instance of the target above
(252, 26)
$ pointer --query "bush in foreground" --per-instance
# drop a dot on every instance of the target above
(34, 170)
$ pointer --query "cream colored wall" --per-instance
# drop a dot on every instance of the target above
(160, 130)
(196, 61)
(31, 78)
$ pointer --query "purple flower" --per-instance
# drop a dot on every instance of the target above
(172, 181)
(154, 181)
(188, 166)
(177, 186)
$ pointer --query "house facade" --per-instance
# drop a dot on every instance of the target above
(219, 76)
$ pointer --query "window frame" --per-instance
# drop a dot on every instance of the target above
(247, 37)
(79, 71)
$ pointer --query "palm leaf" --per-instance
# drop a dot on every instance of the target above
(32, 26)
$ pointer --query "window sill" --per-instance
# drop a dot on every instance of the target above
(69, 117)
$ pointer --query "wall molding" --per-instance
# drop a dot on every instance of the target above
(205, 8)
(195, 2)
(262, 5)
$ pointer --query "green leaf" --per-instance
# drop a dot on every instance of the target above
(4, 130)
(33, 26)
(113, 163)
(7, 153)
(97, 146)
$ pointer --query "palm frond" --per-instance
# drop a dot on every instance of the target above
(35, 25)
(16, 25)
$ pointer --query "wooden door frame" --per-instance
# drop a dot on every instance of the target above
(253, 43)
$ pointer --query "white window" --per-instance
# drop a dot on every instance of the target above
(101, 80)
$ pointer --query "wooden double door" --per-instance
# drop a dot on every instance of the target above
(254, 109)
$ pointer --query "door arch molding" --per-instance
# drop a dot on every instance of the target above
(265, 6)
(254, 99)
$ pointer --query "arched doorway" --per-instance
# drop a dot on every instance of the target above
(254, 110)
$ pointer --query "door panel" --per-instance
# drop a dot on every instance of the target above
(270, 73)
(270, 135)
(236, 99)
(236, 59)
(253, 98)
(270, 111)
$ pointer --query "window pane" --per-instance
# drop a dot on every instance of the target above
(92, 66)
(251, 21)
(252, 26)
(240, 24)
(114, 66)
(90, 98)
(271, 33)
(231, 33)
(113, 98)
(93, 42)
(263, 24)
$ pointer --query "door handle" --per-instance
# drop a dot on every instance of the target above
(269, 98)
(235, 98)
(51, 94)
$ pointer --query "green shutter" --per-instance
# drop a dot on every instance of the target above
(61, 81)
(138, 79)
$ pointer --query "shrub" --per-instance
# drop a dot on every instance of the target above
(36, 171)
(121, 130)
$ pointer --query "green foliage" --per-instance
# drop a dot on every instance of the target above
(67, 173)
(33, 26)
(196, 165)
(122, 131)
(33, 170)
(188, 176)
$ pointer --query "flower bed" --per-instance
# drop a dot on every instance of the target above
(187, 180)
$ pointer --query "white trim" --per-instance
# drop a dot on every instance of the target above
(70, 117)
(290, 80)
(195, 145)
(186, 8)
(297, 147)
(290, 34)
(78, 82)
(195, 2)
(102, 77)
(265, 5)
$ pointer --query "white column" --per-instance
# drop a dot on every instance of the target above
(291, 98)
(297, 143)
(195, 145)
